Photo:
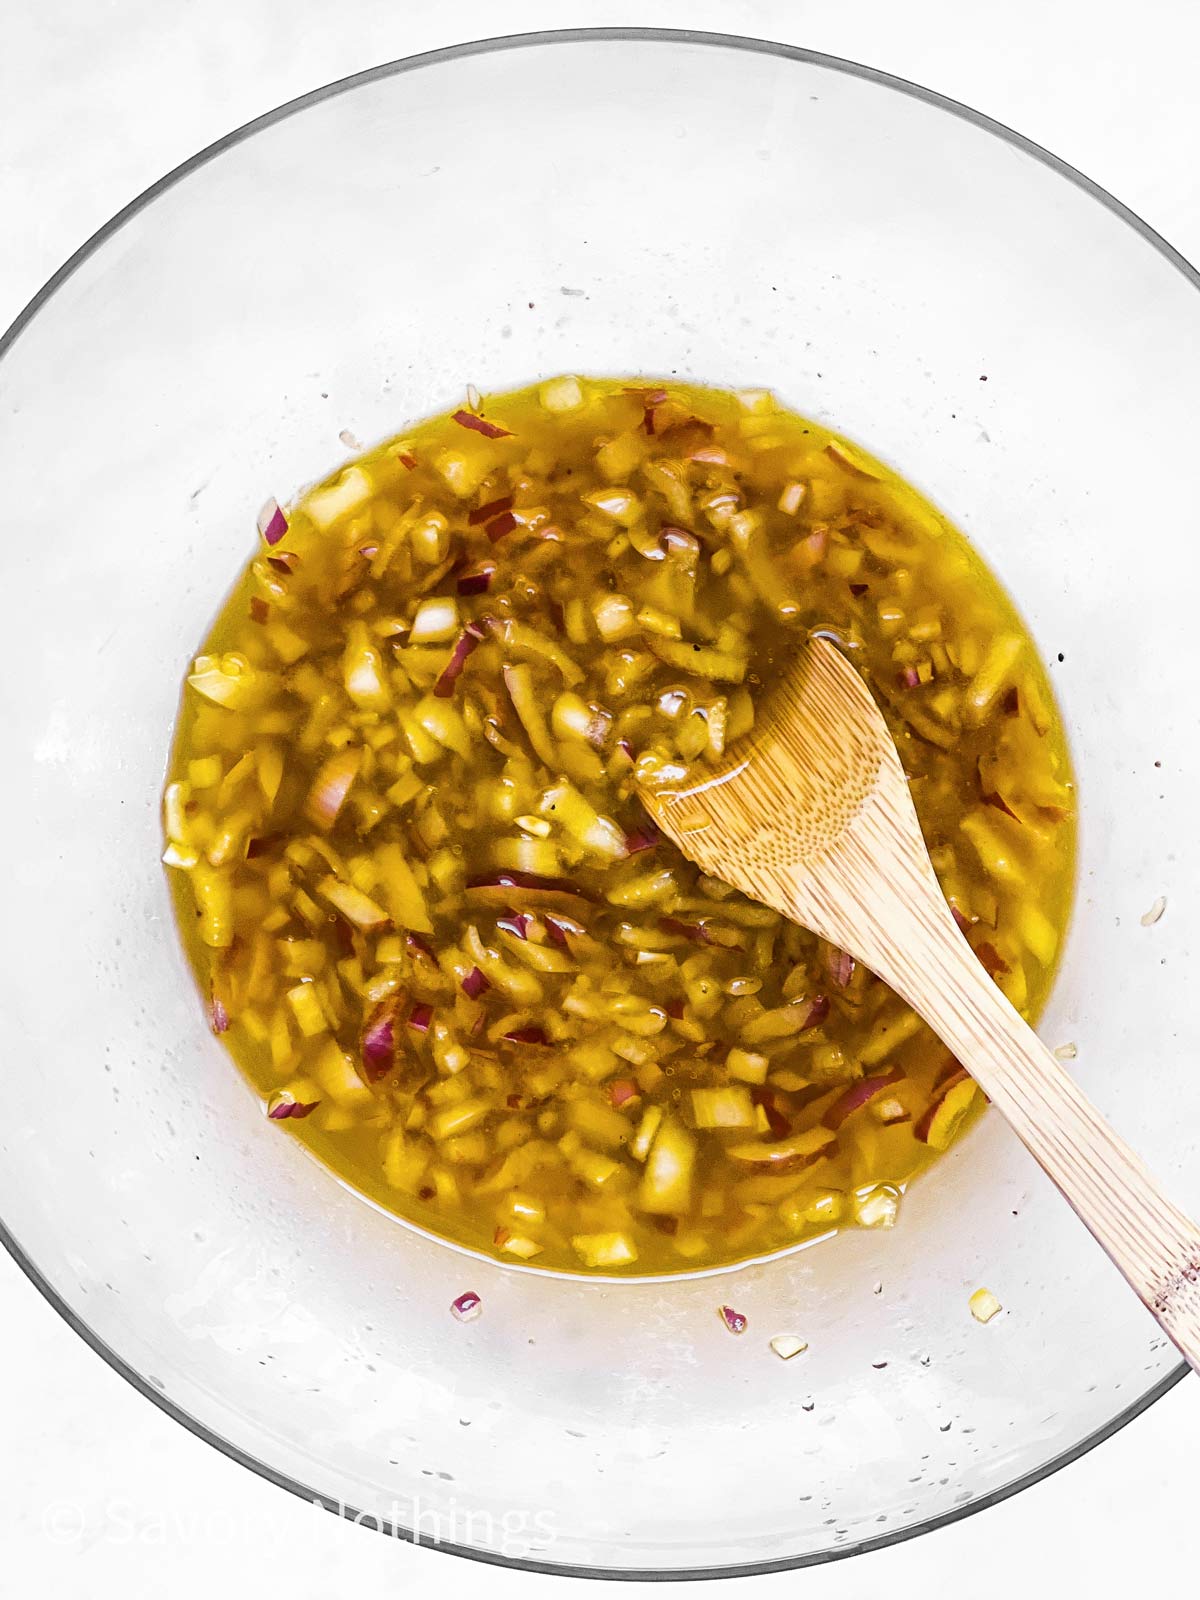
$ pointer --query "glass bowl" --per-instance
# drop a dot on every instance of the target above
(1019, 345)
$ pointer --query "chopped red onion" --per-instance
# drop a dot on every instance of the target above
(285, 561)
(909, 678)
(684, 930)
(281, 1109)
(420, 1017)
(218, 1017)
(840, 966)
(474, 984)
(516, 923)
(674, 1008)
(858, 1095)
(963, 923)
(735, 1321)
(416, 946)
(501, 525)
(493, 508)
(859, 588)
(259, 609)
(621, 1091)
(477, 581)
(272, 523)
(1000, 804)
(467, 1307)
(490, 430)
(406, 459)
(527, 1036)
(640, 839)
(817, 1012)
(463, 646)
(379, 1041)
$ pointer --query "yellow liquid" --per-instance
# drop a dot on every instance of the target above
(644, 1071)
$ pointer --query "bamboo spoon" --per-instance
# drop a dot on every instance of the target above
(813, 817)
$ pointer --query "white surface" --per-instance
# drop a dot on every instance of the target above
(99, 1492)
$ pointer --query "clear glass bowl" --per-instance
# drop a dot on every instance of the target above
(1020, 346)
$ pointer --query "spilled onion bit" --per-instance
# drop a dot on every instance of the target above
(984, 1305)
(1155, 912)
(787, 1345)
(733, 1320)
(467, 1307)
(283, 1106)
(1065, 1052)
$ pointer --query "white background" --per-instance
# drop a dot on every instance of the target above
(101, 1494)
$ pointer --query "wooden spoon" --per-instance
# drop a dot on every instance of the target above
(812, 816)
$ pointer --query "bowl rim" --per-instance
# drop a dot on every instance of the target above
(238, 135)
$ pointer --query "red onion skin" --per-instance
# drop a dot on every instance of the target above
(492, 509)
(292, 1108)
(858, 1095)
(475, 984)
(499, 526)
(379, 1042)
(276, 526)
(477, 582)
(463, 646)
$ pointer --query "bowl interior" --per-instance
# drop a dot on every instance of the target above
(736, 214)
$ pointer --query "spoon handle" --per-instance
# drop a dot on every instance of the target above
(1150, 1240)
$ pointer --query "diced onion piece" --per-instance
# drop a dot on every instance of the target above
(363, 671)
(793, 1153)
(466, 642)
(947, 1110)
(466, 1307)
(727, 1107)
(561, 394)
(849, 459)
(787, 1345)
(324, 506)
(720, 666)
(442, 722)
(272, 524)
(379, 1040)
(474, 984)
(734, 1321)
(984, 1305)
(461, 473)
(614, 617)
(666, 1186)
(858, 1095)
(282, 1106)
(878, 1207)
(306, 1008)
(518, 680)
(355, 906)
(436, 621)
(516, 1244)
(791, 497)
(604, 1249)
(746, 1066)
(1149, 918)
(620, 505)
(400, 890)
(331, 786)
(599, 834)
